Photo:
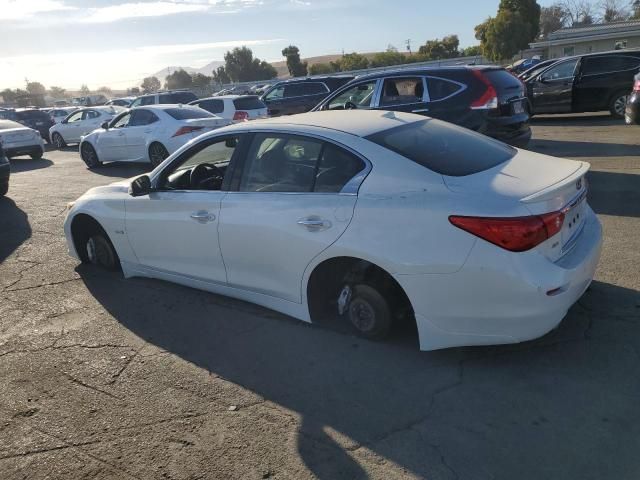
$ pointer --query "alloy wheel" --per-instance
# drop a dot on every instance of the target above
(620, 105)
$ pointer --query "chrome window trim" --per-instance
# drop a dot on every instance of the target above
(463, 87)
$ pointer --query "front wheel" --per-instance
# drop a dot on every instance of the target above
(369, 313)
(157, 154)
(618, 104)
(89, 155)
(100, 252)
(58, 141)
(36, 156)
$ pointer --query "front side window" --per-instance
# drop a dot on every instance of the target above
(142, 117)
(561, 71)
(76, 117)
(401, 91)
(203, 167)
(149, 100)
(276, 94)
(280, 163)
(136, 103)
(358, 96)
(122, 121)
(90, 115)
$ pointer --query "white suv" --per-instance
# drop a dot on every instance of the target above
(237, 108)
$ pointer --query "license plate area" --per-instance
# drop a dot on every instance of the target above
(517, 107)
(574, 221)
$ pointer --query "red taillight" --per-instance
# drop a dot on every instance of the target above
(489, 98)
(240, 116)
(517, 234)
(185, 130)
(636, 86)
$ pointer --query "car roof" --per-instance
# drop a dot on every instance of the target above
(423, 70)
(360, 123)
(164, 106)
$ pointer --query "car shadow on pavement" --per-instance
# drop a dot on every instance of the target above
(27, 164)
(568, 148)
(14, 227)
(589, 120)
(122, 169)
(614, 193)
(526, 411)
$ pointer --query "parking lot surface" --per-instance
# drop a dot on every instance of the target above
(102, 377)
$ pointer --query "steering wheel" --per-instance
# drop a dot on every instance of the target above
(349, 105)
(202, 173)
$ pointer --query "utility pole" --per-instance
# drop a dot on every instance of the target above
(408, 43)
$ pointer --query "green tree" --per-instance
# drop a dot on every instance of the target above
(106, 91)
(296, 67)
(150, 84)
(516, 24)
(473, 51)
(388, 58)
(552, 18)
(57, 92)
(441, 49)
(84, 90)
(133, 91)
(351, 61)
(321, 69)
(178, 79)
(220, 76)
(9, 95)
(240, 66)
(200, 80)
(36, 88)
(615, 11)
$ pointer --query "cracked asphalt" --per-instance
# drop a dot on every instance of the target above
(104, 378)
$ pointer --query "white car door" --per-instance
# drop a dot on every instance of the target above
(111, 145)
(70, 129)
(91, 120)
(291, 205)
(142, 125)
(174, 229)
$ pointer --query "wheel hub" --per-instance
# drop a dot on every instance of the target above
(362, 315)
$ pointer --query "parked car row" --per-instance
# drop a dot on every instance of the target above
(79, 123)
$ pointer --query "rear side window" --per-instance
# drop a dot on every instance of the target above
(181, 97)
(248, 103)
(150, 100)
(213, 106)
(502, 80)
(188, 113)
(336, 168)
(439, 88)
(609, 64)
(400, 91)
(444, 148)
(307, 88)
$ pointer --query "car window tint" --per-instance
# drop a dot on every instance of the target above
(609, 64)
(186, 113)
(305, 88)
(212, 106)
(444, 148)
(136, 103)
(90, 115)
(360, 95)
(182, 97)
(122, 121)
(439, 88)
(280, 163)
(76, 117)
(336, 168)
(150, 100)
(276, 94)
(400, 91)
(142, 117)
(248, 103)
(562, 70)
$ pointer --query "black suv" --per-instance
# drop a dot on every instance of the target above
(488, 100)
(170, 98)
(585, 83)
(37, 119)
(300, 96)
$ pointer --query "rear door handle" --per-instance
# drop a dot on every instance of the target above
(202, 216)
(314, 224)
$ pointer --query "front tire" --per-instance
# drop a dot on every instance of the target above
(369, 313)
(157, 154)
(89, 156)
(100, 252)
(36, 156)
(4, 188)
(618, 104)
(58, 141)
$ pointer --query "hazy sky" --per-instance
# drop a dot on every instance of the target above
(117, 42)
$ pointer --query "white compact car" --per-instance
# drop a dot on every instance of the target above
(79, 123)
(147, 134)
(367, 214)
(238, 108)
(17, 140)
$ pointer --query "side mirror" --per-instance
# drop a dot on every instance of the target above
(105, 125)
(140, 186)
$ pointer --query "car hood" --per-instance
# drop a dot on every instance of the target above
(113, 189)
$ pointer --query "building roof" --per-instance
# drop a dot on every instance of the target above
(597, 29)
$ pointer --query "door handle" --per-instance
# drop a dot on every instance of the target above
(203, 216)
(420, 110)
(314, 224)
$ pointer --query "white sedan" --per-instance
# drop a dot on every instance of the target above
(16, 140)
(79, 123)
(364, 214)
(147, 134)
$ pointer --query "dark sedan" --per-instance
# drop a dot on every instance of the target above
(37, 119)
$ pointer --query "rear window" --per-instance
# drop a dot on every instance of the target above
(501, 79)
(248, 103)
(444, 148)
(188, 113)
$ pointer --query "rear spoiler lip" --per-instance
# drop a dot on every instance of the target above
(550, 191)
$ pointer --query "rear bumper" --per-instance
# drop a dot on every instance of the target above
(16, 151)
(514, 130)
(499, 297)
